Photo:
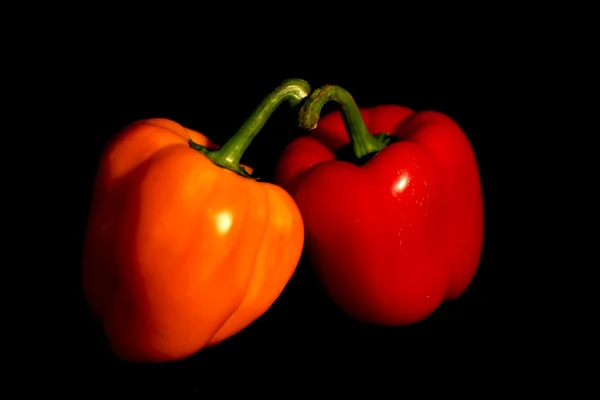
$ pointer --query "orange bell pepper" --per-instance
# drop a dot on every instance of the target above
(183, 247)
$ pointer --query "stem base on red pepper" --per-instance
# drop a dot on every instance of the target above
(346, 153)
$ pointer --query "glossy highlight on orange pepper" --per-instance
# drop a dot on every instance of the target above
(183, 248)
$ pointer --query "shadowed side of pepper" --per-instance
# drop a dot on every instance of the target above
(395, 227)
(183, 247)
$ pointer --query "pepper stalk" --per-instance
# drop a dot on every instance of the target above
(229, 155)
(363, 143)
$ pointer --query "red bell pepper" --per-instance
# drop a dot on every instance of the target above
(395, 236)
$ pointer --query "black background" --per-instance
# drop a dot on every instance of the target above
(491, 90)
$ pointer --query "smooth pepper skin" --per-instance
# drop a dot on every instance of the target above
(392, 239)
(181, 254)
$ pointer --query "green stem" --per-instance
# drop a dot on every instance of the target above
(363, 142)
(230, 154)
